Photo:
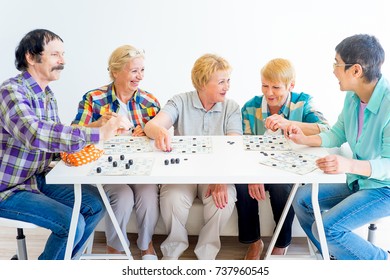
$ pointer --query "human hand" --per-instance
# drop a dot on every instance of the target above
(105, 118)
(257, 191)
(113, 126)
(162, 140)
(138, 131)
(295, 134)
(334, 164)
(102, 120)
(276, 122)
(219, 194)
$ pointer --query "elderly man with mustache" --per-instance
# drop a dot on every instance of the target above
(30, 136)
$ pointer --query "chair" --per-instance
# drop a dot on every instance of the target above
(371, 233)
(20, 238)
(371, 236)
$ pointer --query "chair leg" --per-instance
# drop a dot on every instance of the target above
(371, 233)
(90, 240)
(313, 251)
(21, 241)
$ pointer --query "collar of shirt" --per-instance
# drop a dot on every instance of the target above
(33, 85)
(198, 104)
(136, 98)
(109, 98)
(377, 96)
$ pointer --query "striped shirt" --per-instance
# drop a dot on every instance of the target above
(31, 134)
(142, 107)
(298, 107)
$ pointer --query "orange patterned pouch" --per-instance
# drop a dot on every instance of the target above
(89, 154)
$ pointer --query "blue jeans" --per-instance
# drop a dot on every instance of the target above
(347, 210)
(53, 210)
(248, 213)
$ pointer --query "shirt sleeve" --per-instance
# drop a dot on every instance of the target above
(335, 137)
(312, 115)
(380, 167)
(150, 104)
(246, 126)
(234, 119)
(172, 106)
(21, 121)
(84, 111)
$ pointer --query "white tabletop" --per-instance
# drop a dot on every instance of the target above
(227, 163)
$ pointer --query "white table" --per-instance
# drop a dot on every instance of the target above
(228, 163)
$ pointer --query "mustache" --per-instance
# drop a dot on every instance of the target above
(59, 67)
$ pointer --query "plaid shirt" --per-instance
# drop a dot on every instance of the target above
(298, 107)
(31, 134)
(142, 107)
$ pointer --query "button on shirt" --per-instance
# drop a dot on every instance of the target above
(190, 118)
(374, 141)
(31, 133)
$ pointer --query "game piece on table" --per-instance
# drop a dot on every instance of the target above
(127, 145)
(173, 161)
(191, 144)
(291, 161)
(265, 143)
(141, 166)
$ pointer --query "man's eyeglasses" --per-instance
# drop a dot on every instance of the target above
(341, 65)
(134, 53)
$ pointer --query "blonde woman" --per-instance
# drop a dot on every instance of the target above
(271, 113)
(123, 97)
(203, 111)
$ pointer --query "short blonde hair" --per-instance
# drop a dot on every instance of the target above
(120, 56)
(279, 70)
(205, 66)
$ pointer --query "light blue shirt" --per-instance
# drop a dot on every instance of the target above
(374, 142)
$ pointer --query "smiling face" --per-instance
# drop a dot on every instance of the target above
(48, 65)
(215, 89)
(277, 81)
(128, 78)
(342, 75)
(275, 93)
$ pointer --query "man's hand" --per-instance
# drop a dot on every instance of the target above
(114, 126)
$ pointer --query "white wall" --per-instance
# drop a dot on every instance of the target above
(176, 32)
